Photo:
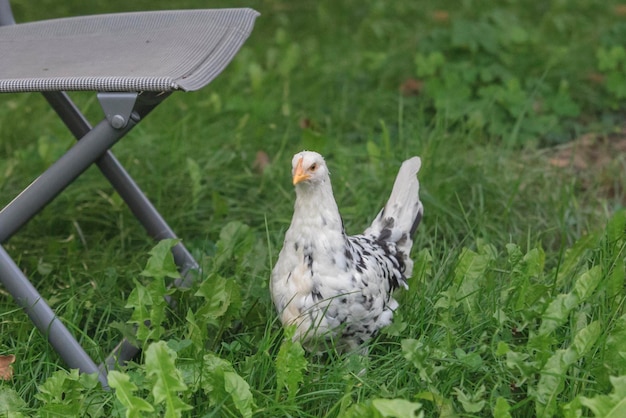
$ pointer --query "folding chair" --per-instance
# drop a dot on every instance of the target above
(133, 61)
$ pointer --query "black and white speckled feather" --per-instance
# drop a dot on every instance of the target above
(332, 285)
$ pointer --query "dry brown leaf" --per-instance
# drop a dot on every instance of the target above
(305, 123)
(441, 16)
(595, 77)
(261, 161)
(620, 9)
(411, 87)
(559, 162)
(6, 370)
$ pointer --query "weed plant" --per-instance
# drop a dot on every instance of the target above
(515, 307)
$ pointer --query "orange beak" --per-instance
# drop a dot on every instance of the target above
(299, 174)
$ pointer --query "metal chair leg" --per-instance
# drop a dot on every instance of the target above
(132, 195)
(93, 146)
(57, 177)
(44, 318)
(123, 183)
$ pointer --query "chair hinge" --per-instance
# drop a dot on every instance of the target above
(117, 107)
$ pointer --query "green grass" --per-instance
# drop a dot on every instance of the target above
(515, 307)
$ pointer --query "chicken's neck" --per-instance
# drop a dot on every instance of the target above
(316, 216)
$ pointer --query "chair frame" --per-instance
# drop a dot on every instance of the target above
(122, 112)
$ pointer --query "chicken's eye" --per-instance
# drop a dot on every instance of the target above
(313, 167)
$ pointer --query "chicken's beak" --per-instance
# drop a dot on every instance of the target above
(299, 174)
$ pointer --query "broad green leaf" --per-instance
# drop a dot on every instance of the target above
(361, 410)
(515, 254)
(415, 352)
(616, 84)
(559, 309)
(557, 313)
(236, 239)
(472, 360)
(397, 327)
(486, 249)
(423, 266)
(148, 301)
(473, 402)
(89, 380)
(212, 374)
(562, 103)
(502, 348)
(53, 410)
(553, 374)
(572, 409)
(585, 339)
(615, 348)
(373, 151)
(502, 408)
(534, 261)
(469, 276)
(179, 345)
(610, 59)
(447, 300)
(616, 228)
(239, 391)
(221, 295)
(518, 34)
(617, 276)
(444, 405)
(149, 309)
(427, 359)
(573, 256)
(124, 389)
(55, 387)
(290, 364)
(451, 94)
(550, 385)
(11, 404)
(383, 408)
(68, 394)
(219, 204)
(522, 362)
(161, 262)
(397, 408)
(167, 379)
(195, 333)
(526, 269)
(429, 65)
(612, 405)
(474, 35)
(220, 382)
(587, 283)
(139, 300)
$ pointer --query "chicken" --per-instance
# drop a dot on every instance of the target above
(337, 287)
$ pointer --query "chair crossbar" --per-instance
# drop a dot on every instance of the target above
(119, 178)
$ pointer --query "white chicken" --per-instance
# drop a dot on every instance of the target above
(339, 287)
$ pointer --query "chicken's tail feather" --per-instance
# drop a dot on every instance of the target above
(398, 220)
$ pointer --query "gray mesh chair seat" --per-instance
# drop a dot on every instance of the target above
(133, 61)
(147, 51)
